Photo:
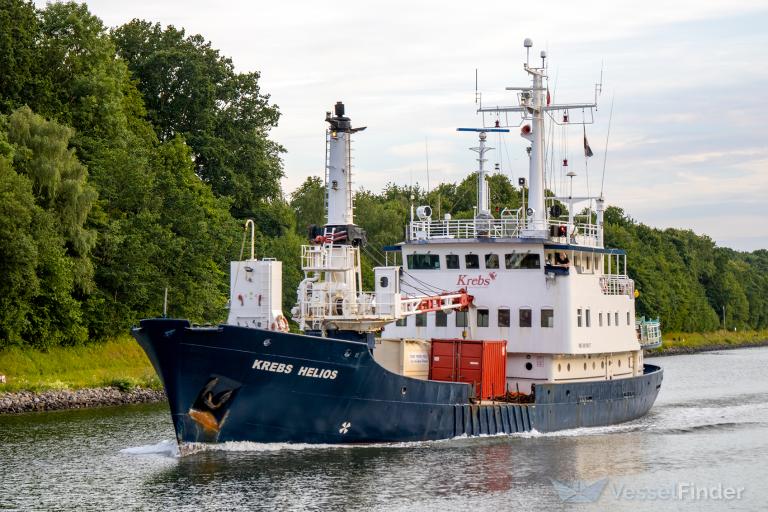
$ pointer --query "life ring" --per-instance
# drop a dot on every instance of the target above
(280, 324)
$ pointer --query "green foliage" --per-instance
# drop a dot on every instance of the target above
(308, 202)
(190, 89)
(118, 362)
(18, 56)
(687, 281)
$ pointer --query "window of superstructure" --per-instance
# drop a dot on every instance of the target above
(402, 322)
(423, 262)
(503, 319)
(588, 260)
(526, 317)
(471, 261)
(421, 320)
(588, 317)
(483, 318)
(441, 319)
(461, 319)
(452, 261)
(517, 260)
(491, 261)
(547, 317)
(628, 318)
(616, 317)
(609, 318)
(600, 319)
(578, 317)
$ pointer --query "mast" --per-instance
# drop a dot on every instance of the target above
(339, 185)
(536, 212)
(533, 105)
(483, 191)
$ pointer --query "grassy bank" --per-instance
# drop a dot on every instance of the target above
(687, 342)
(120, 363)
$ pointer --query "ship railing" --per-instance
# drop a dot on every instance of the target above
(648, 332)
(583, 234)
(327, 257)
(615, 284)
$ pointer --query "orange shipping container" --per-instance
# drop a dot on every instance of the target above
(481, 363)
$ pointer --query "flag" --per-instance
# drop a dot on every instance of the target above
(587, 150)
(548, 97)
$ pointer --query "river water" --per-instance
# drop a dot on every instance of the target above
(703, 446)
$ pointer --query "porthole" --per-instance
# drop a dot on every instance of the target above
(528, 366)
(267, 342)
(403, 390)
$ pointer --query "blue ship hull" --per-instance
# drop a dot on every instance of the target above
(231, 383)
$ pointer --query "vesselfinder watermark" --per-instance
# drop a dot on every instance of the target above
(581, 491)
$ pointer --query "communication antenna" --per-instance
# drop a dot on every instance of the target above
(605, 155)
(528, 43)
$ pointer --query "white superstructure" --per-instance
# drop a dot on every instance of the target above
(541, 279)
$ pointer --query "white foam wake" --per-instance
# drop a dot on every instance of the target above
(165, 448)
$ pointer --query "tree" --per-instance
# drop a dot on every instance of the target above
(308, 204)
(191, 90)
(44, 245)
(18, 53)
(59, 183)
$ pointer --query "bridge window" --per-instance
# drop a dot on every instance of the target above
(452, 261)
(491, 261)
(588, 318)
(483, 318)
(578, 317)
(547, 317)
(441, 319)
(402, 322)
(522, 260)
(471, 261)
(423, 262)
(461, 319)
(526, 315)
(421, 320)
(503, 317)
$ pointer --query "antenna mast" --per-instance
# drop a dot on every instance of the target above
(483, 192)
(533, 104)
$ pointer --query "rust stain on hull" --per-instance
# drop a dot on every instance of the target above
(205, 419)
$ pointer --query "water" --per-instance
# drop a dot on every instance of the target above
(708, 428)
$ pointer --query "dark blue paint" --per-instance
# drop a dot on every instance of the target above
(211, 369)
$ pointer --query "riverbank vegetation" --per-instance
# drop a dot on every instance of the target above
(689, 342)
(119, 363)
(130, 156)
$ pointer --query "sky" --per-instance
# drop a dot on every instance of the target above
(688, 144)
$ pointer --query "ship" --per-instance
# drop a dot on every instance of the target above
(514, 320)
